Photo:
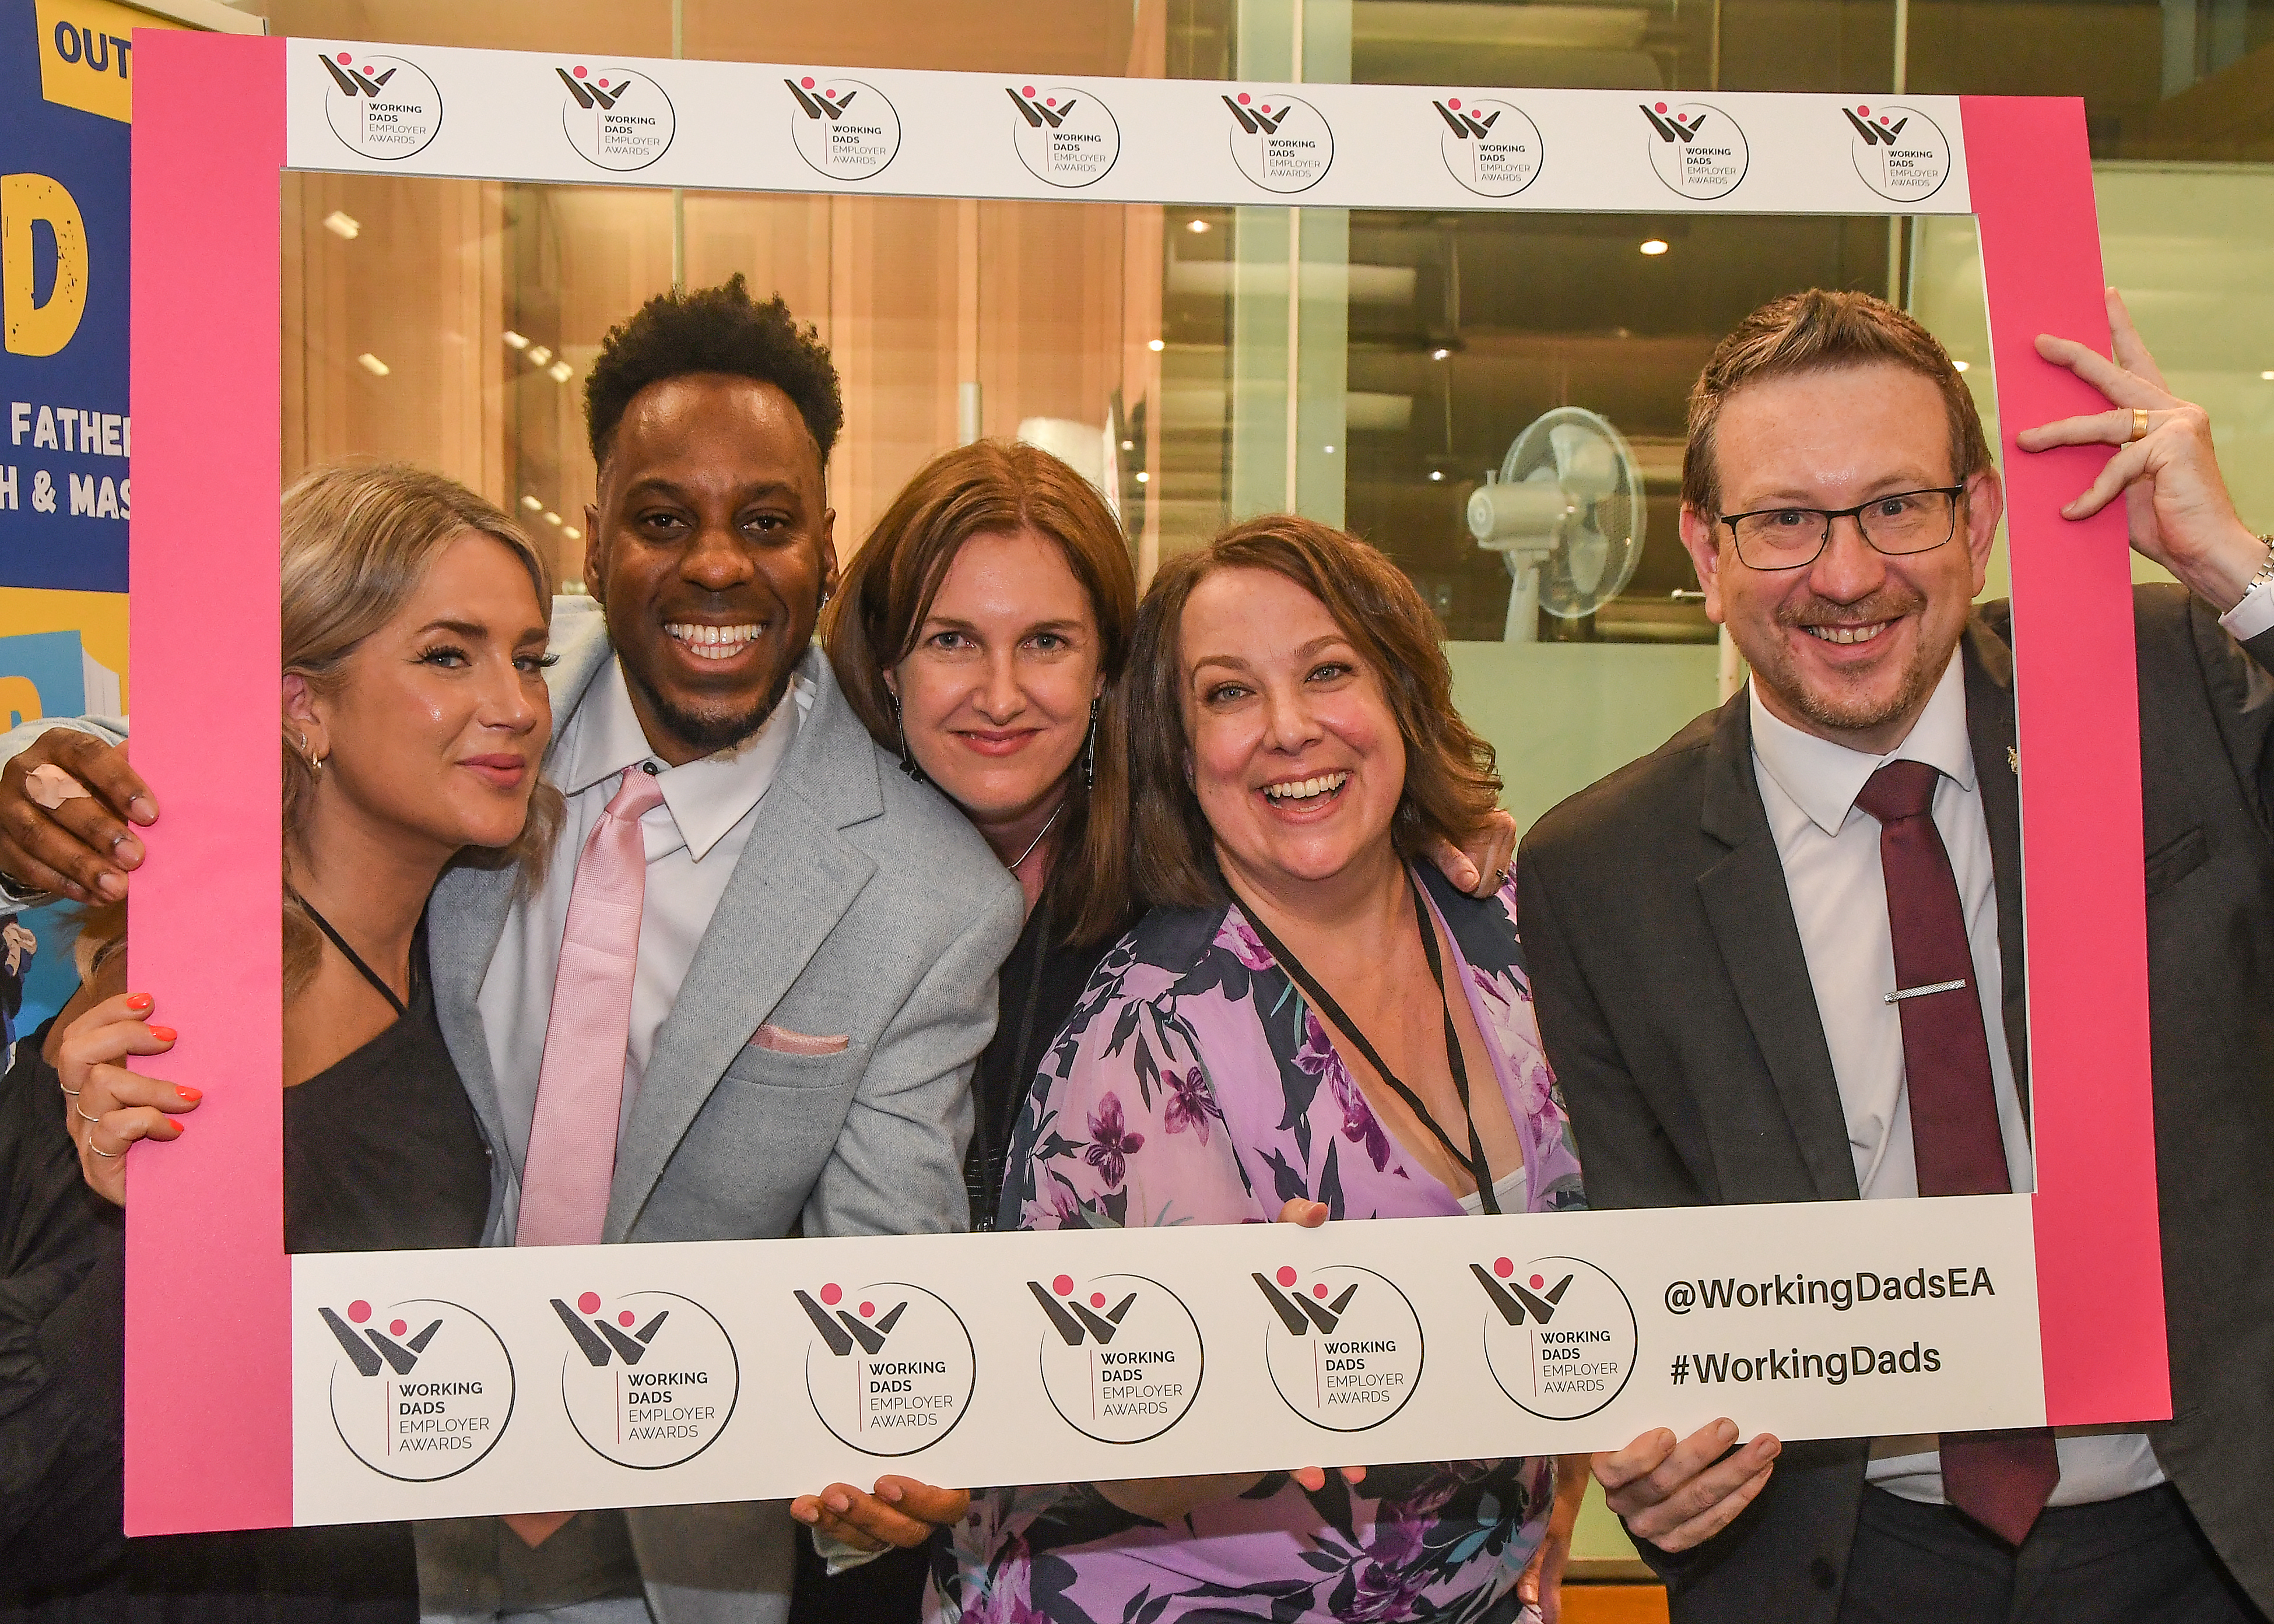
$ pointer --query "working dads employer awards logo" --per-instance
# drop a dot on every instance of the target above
(1491, 147)
(843, 127)
(616, 119)
(422, 1389)
(1121, 1355)
(1899, 151)
(1696, 148)
(1281, 144)
(382, 107)
(1559, 1336)
(1344, 1345)
(1065, 136)
(649, 1378)
(890, 1368)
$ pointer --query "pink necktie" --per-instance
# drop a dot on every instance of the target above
(580, 1082)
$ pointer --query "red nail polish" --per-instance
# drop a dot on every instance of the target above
(165, 1035)
(138, 1001)
(191, 1094)
(181, 1128)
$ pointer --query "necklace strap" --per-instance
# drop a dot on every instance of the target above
(1480, 1168)
(356, 959)
(1015, 862)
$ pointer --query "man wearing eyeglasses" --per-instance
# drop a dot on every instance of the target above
(1781, 960)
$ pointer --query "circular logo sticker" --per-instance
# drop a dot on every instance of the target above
(1559, 1336)
(1696, 148)
(1344, 1345)
(649, 1378)
(616, 119)
(1121, 1355)
(1900, 152)
(422, 1389)
(890, 1368)
(382, 107)
(1281, 144)
(1491, 147)
(843, 127)
(1064, 135)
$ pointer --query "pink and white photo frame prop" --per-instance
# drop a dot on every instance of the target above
(211, 1292)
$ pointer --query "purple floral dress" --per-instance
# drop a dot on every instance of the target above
(1193, 1084)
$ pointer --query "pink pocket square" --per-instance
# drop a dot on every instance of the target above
(782, 1041)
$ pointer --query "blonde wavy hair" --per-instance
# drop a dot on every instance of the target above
(357, 538)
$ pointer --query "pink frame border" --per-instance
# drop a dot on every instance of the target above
(205, 1242)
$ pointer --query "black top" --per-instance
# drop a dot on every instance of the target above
(1040, 984)
(381, 1151)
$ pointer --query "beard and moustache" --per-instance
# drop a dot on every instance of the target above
(1840, 708)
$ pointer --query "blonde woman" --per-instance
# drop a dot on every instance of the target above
(414, 718)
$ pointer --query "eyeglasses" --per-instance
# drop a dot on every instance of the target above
(1901, 523)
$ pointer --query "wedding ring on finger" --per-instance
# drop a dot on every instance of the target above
(50, 786)
(2138, 424)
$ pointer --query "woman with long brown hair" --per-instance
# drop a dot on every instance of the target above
(981, 633)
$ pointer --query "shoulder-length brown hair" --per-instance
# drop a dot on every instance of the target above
(886, 594)
(1452, 785)
(356, 539)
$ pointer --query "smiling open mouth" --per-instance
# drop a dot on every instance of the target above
(1847, 634)
(1298, 790)
(715, 642)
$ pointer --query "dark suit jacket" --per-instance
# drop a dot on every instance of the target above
(1675, 1003)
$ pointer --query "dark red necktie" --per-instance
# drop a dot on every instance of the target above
(1999, 1479)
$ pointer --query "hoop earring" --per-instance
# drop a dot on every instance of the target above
(908, 757)
(315, 762)
(1089, 751)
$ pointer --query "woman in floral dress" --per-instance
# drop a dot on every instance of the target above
(1297, 1020)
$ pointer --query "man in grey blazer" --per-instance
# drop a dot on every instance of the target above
(819, 936)
(1710, 929)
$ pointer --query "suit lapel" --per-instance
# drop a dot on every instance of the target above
(1989, 667)
(796, 876)
(1750, 912)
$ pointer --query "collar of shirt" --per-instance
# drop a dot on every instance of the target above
(706, 798)
(1824, 779)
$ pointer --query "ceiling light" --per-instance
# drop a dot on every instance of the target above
(1129, 445)
(562, 372)
(540, 356)
(514, 340)
(343, 225)
(1436, 473)
(372, 365)
(1155, 346)
(1143, 477)
(1331, 451)
(572, 532)
(532, 503)
(1961, 365)
(2266, 377)
(1439, 355)
(1654, 246)
(1196, 227)
(551, 517)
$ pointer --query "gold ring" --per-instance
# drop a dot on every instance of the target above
(2139, 423)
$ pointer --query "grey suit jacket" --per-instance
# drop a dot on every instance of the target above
(863, 904)
(1674, 1001)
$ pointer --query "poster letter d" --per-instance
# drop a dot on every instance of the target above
(40, 329)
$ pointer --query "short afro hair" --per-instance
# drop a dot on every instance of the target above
(717, 329)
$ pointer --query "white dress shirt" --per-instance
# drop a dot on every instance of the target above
(693, 840)
(1830, 850)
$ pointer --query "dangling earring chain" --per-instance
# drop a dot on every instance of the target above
(1089, 751)
(908, 757)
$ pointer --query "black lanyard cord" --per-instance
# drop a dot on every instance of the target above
(1479, 1167)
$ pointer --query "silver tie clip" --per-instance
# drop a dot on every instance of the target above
(1901, 993)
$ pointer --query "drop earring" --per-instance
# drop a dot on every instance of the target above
(908, 757)
(1089, 751)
